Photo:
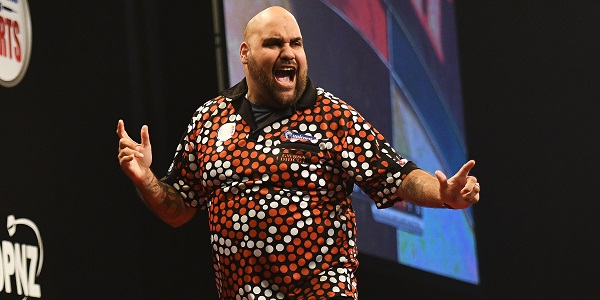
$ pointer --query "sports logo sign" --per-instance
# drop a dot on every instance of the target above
(15, 41)
(21, 263)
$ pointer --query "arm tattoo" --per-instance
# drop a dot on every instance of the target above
(169, 203)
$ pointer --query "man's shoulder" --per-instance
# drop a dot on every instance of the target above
(216, 101)
(332, 99)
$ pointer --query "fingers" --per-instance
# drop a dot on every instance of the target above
(468, 185)
(127, 144)
(466, 168)
(128, 148)
(472, 197)
(124, 158)
(471, 184)
(441, 177)
(121, 130)
(471, 190)
(145, 134)
(476, 186)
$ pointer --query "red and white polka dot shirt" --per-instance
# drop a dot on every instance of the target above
(279, 195)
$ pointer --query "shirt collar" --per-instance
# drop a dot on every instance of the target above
(308, 98)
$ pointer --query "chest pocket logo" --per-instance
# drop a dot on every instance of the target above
(293, 157)
(295, 136)
(303, 152)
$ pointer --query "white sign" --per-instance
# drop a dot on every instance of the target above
(21, 263)
(15, 41)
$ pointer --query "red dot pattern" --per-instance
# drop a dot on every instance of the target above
(280, 216)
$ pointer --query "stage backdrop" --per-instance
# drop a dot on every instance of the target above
(71, 225)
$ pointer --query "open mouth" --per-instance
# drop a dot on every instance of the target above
(285, 76)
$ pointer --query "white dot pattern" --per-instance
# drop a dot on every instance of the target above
(279, 199)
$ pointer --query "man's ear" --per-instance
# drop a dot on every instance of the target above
(244, 53)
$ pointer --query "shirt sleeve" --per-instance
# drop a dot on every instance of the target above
(184, 172)
(373, 163)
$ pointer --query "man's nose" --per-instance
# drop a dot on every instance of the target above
(287, 53)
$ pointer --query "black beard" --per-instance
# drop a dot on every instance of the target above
(268, 86)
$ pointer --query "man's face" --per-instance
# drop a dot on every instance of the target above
(276, 63)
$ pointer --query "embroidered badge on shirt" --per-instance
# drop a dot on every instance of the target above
(403, 162)
(226, 132)
(295, 158)
(295, 136)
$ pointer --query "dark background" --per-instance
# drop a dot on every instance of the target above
(530, 83)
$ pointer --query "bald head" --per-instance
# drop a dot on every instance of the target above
(271, 16)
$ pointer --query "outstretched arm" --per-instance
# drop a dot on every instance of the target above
(458, 192)
(135, 160)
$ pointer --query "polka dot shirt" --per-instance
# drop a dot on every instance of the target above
(278, 194)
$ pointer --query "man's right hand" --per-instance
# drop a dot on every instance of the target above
(135, 159)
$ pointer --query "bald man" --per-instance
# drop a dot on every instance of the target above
(274, 160)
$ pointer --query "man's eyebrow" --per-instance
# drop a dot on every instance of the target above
(280, 39)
